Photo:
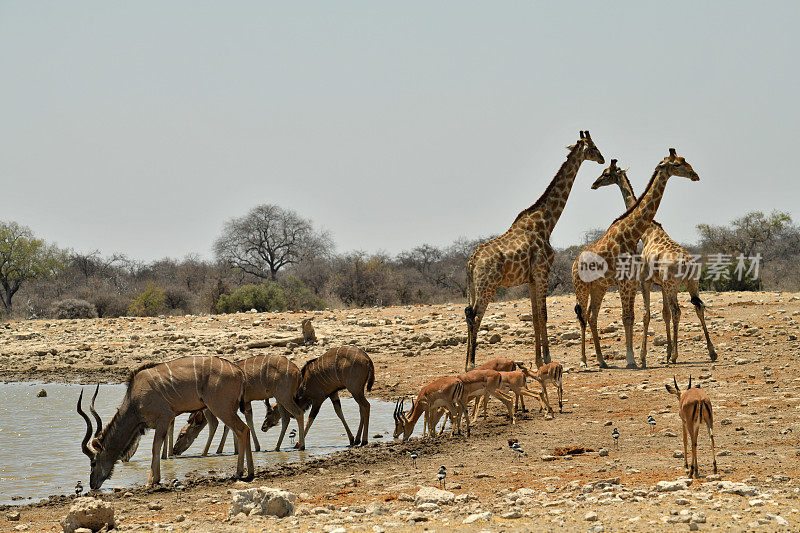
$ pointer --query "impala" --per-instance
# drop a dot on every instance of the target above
(444, 392)
(694, 406)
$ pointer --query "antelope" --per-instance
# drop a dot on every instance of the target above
(479, 383)
(549, 373)
(694, 406)
(503, 364)
(265, 376)
(345, 367)
(444, 392)
(155, 394)
(516, 382)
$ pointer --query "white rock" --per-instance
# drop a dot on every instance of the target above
(512, 514)
(756, 502)
(434, 495)
(671, 486)
(90, 513)
(263, 501)
(427, 507)
(485, 516)
(591, 516)
(377, 508)
(733, 487)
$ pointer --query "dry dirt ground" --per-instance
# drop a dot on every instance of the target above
(754, 387)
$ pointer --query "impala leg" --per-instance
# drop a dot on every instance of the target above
(713, 449)
(695, 469)
(248, 415)
(337, 407)
(561, 395)
(685, 451)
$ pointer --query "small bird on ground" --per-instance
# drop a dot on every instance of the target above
(414, 459)
(441, 476)
(78, 489)
(292, 435)
(178, 486)
(615, 435)
(518, 449)
(652, 422)
(512, 442)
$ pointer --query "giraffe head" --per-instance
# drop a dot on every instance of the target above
(613, 175)
(589, 150)
(675, 165)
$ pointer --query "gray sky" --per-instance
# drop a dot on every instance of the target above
(140, 127)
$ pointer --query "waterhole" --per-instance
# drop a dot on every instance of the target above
(40, 441)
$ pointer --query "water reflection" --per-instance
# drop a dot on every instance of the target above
(40, 453)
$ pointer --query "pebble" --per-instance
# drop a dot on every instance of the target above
(591, 516)
(13, 516)
(485, 516)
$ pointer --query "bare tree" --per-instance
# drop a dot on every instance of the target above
(269, 238)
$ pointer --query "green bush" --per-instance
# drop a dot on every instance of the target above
(151, 302)
(298, 296)
(265, 297)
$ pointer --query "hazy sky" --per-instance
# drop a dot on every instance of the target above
(140, 127)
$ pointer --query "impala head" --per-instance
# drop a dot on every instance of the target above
(189, 432)
(401, 422)
(272, 417)
(613, 175)
(590, 151)
(675, 389)
(675, 165)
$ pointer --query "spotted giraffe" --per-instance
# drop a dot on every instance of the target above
(666, 264)
(523, 254)
(620, 240)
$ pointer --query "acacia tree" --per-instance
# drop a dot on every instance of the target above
(269, 238)
(24, 258)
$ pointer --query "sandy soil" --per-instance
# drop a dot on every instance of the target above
(754, 387)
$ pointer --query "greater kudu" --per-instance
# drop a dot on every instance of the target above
(155, 394)
(345, 367)
(265, 376)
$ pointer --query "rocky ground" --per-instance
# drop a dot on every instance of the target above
(754, 387)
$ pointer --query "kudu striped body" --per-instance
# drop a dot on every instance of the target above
(155, 395)
(345, 367)
(265, 376)
(694, 407)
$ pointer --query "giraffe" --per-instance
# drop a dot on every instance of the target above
(594, 270)
(523, 254)
(675, 266)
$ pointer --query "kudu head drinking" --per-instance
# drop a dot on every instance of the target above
(189, 432)
(272, 417)
(95, 444)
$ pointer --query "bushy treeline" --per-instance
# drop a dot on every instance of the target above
(81, 285)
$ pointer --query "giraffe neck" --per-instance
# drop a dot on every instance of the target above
(639, 217)
(552, 202)
(627, 192)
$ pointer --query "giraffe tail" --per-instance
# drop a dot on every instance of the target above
(469, 311)
(579, 312)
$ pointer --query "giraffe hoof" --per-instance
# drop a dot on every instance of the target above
(713, 355)
(603, 364)
(631, 366)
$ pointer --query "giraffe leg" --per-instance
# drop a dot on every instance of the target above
(676, 317)
(645, 320)
(535, 319)
(627, 293)
(700, 308)
(582, 310)
(541, 300)
(474, 316)
(667, 314)
(594, 311)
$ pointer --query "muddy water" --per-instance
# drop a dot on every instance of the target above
(40, 453)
